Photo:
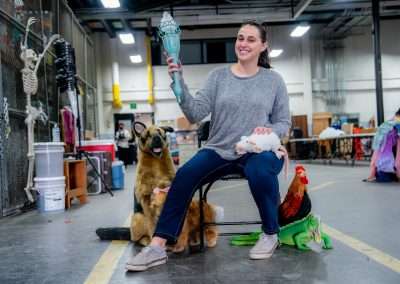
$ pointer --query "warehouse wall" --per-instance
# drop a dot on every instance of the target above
(299, 65)
(359, 73)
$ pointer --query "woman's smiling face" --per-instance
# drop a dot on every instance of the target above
(248, 44)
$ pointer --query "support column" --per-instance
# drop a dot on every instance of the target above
(307, 80)
(117, 102)
(3, 173)
(376, 34)
(99, 81)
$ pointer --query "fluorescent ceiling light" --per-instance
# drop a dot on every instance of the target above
(111, 3)
(275, 52)
(299, 31)
(136, 58)
(126, 38)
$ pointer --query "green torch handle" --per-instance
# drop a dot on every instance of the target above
(176, 86)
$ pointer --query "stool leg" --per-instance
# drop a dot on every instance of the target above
(201, 218)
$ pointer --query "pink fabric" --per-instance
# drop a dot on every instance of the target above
(397, 162)
(158, 190)
(68, 126)
(372, 165)
(386, 161)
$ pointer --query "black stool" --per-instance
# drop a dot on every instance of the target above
(228, 173)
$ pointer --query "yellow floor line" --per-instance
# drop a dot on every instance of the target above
(373, 253)
(322, 185)
(104, 268)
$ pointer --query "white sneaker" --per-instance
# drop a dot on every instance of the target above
(149, 256)
(265, 246)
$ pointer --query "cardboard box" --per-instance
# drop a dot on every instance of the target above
(321, 120)
(183, 124)
(367, 130)
(348, 128)
(89, 135)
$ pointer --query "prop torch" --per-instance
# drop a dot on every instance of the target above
(169, 33)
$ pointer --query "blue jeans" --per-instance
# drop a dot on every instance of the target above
(261, 171)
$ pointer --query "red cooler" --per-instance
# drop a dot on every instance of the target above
(99, 145)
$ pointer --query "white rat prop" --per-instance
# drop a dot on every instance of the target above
(257, 143)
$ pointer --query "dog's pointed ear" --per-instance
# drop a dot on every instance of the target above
(167, 128)
(138, 128)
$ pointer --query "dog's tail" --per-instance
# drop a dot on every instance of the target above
(114, 233)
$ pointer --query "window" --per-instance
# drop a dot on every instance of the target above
(199, 51)
(216, 52)
(191, 52)
(156, 53)
(230, 51)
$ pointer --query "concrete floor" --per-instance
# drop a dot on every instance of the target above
(63, 248)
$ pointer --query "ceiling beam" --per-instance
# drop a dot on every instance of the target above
(349, 25)
(303, 4)
(126, 24)
(108, 28)
(92, 13)
(76, 4)
(349, 5)
(192, 19)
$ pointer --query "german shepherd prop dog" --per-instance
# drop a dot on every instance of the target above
(154, 173)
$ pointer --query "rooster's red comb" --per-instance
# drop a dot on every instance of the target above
(300, 168)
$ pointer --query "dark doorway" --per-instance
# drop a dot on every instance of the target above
(130, 154)
(126, 118)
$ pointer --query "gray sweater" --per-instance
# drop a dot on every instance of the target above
(237, 106)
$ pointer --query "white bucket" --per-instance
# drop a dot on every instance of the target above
(51, 194)
(49, 158)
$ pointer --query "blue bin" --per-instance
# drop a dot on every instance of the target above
(118, 175)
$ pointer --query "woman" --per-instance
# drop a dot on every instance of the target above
(384, 166)
(123, 136)
(241, 98)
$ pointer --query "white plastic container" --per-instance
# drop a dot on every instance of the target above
(51, 194)
(55, 131)
(49, 158)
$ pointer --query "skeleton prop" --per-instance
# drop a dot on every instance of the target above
(30, 82)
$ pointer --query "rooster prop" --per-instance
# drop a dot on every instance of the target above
(297, 203)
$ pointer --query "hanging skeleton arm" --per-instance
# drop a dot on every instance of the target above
(31, 21)
(24, 46)
(30, 83)
(32, 60)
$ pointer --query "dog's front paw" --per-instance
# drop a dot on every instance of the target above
(145, 241)
(211, 243)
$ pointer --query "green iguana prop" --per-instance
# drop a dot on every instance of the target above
(299, 234)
